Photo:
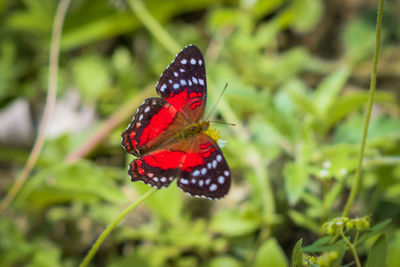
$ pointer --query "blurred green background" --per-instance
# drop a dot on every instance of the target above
(298, 74)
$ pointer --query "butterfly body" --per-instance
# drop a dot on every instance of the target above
(192, 129)
(168, 138)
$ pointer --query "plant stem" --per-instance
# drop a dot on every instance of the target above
(153, 26)
(50, 103)
(357, 178)
(112, 225)
(352, 248)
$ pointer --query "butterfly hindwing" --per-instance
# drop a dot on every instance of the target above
(183, 83)
(155, 121)
(209, 177)
(161, 166)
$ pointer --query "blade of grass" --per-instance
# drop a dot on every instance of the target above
(357, 178)
(153, 26)
(50, 103)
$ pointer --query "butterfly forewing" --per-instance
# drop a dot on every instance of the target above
(155, 122)
(183, 83)
(209, 177)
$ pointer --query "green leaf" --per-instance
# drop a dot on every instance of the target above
(354, 101)
(393, 253)
(297, 255)
(377, 254)
(92, 76)
(328, 90)
(270, 254)
(166, 203)
(323, 245)
(296, 178)
(307, 14)
(233, 223)
(304, 220)
(377, 229)
(224, 261)
(359, 29)
(62, 183)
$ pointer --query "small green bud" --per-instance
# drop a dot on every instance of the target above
(349, 225)
(333, 255)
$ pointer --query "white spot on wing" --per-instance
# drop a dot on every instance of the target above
(221, 179)
(226, 173)
(184, 61)
(181, 70)
(213, 187)
(201, 182)
(147, 109)
(196, 173)
(183, 82)
(193, 61)
(201, 81)
(214, 163)
(141, 117)
(176, 86)
(184, 181)
(219, 157)
(208, 181)
(200, 62)
(163, 87)
(163, 179)
(203, 171)
(193, 181)
(176, 74)
(194, 80)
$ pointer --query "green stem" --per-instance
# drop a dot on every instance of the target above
(352, 248)
(357, 179)
(153, 26)
(111, 226)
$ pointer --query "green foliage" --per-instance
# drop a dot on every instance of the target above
(293, 151)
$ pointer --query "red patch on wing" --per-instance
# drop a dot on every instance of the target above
(182, 99)
(174, 159)
(192, 160)
(158, 123)
(165, 159)
(179, 100)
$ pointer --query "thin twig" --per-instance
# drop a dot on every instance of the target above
(112, 225)
(107, 126)
(50, 103)
(357, 178)
(352, 248)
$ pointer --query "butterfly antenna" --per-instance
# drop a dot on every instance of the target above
(216, 103)
(222, 122)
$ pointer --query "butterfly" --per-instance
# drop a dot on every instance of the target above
(168, 138)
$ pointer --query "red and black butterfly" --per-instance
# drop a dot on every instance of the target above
(166, 133)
